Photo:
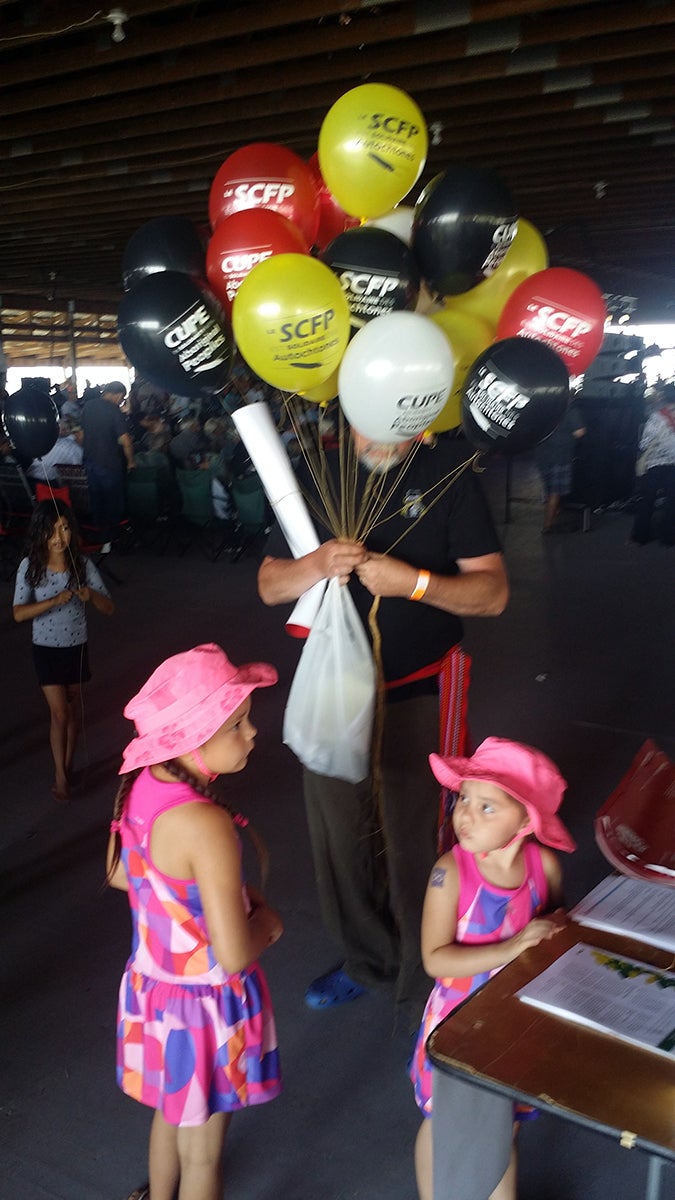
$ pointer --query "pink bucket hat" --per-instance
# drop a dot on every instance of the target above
(521, 771)
(185, 701)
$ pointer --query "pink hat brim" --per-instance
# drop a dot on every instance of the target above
(190, 731)
(547, 827)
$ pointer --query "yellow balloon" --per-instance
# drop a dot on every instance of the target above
(468, 336)
(290, 319)
(323, 392)
(372, 148)
(526, 255)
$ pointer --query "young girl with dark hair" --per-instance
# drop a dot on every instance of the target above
(54, 583)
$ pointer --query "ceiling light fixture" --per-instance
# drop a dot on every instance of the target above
(117, 17)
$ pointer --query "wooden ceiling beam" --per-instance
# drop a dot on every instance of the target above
(394, 55)
(179, 163)
(223, 24)
(210, 127)
(488, 95)
(384, 24)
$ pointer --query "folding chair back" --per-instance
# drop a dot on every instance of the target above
(212, 534)
(46, 491)
(75, 479)
(635, 828)
(16, 503)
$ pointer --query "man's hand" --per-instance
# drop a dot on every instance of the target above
(337, 559)
(383, 575)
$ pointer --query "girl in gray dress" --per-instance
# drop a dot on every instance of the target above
(54, 583)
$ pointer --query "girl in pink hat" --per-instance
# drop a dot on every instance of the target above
(486, 896)
(195, 1035)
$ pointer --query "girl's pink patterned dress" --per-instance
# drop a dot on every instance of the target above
(191, 1040)
(485, 914)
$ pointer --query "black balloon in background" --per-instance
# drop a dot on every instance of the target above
(464, 222)
(515, 394)
(176, 335)
(377, 270)
(163, 244)
(31, 421)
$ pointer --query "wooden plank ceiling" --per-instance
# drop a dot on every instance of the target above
(572, 104)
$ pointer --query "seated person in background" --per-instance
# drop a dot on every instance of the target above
(179, 407)
(156, 453)
(71, 409)
(220, 447)
(67, 449)
(216, 460)
(189, 443)
(6, 452)
(157, 458)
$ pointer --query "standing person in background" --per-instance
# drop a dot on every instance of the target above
(108, 455)
(555, 461)
(53, 585)
(371, 869)
(657, 452)
(196, 1039)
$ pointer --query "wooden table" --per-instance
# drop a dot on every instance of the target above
(495, 1048)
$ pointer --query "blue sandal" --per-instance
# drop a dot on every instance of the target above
(333, 988)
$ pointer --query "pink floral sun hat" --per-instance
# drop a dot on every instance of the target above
(524, 772)
(185, 701)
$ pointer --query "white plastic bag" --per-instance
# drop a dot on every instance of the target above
(329, 714)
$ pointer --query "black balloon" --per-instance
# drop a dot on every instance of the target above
(31, 421)
(464, 222)
(163, 244)
(176, 335)
(378, 272)
(515, 394)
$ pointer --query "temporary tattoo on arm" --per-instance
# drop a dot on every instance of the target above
(437, 877)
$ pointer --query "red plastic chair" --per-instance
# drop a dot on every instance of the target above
(635, 828)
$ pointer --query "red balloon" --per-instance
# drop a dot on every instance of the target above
(264, 175)
(562, 308)
(242, 241)
(333, 220)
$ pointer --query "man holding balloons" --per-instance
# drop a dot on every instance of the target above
(372, 860)
(342, 325)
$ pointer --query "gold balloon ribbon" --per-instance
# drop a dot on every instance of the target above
(378, 722)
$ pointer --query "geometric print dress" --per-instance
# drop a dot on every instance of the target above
(486, 913)
(191, 1039)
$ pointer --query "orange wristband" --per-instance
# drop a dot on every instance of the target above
(421, 586)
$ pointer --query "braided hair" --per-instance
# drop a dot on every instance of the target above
(181, 773)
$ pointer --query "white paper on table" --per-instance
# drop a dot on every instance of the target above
(255, 425)
(609, 992)
(635, 908)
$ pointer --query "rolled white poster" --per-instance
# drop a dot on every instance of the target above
(255, 426)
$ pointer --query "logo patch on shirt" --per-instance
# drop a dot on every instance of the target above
(412, 506)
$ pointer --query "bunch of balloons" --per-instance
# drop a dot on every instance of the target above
(421, 317)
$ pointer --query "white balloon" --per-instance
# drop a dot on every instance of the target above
(395, 377)
(398, 221)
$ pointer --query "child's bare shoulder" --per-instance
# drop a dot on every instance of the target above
(443, 871)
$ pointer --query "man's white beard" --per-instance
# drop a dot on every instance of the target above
(379, 464)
